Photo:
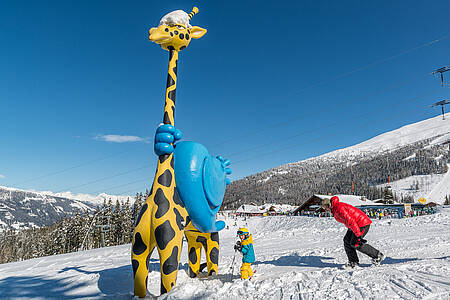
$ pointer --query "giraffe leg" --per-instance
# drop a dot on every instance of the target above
(194, 254)
(141, 251)
(212, 253)
(169, 258)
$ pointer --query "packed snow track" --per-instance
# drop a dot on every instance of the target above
(296, 258)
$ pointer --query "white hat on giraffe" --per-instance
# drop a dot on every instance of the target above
(176, 17)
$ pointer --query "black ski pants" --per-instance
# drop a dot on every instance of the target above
(351, 244)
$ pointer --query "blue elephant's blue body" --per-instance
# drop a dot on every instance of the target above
(201, 179)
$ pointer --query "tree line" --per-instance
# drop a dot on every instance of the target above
(362, 175)
(110, 225)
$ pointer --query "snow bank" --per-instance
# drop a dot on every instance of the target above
(296, 258)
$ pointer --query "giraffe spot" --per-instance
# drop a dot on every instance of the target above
(162, 203)
(179, 219)
(171, 47)
(181, 36)
(163, 158)
(175, 68)
(171, 95)
(135, 265)
(192, 256)
(171, 34)
(164, 233)
(171, 263)
(146, 282)
(163, 289)
(172, 161)
(170, 80)
(202, 240)
(176, 32)
(147, 260)
(182, 47)
(139, 246)
(165, 178)
(214, 255)
(176, 199)
(188, 220)
(192, 273)
(215, 237)
(166, 121)
(141, 213)
(166, 30)
(187, 37)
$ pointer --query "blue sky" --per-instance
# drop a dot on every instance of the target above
(270, 83)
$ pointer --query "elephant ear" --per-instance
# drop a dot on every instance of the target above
(214, 181)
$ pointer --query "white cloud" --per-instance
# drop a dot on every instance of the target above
(114, 138)
(2, 176)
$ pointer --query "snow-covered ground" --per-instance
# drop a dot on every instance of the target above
(297, 258)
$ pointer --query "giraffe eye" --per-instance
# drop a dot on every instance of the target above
(180, 27)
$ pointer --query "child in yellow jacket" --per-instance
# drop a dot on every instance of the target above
(246, 248)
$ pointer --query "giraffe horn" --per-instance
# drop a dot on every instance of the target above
(193, 12)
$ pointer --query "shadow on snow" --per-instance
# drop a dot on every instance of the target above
(301, 261)
(296, 260)
(114, 283)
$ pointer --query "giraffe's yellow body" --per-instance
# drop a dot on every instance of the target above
(161, 221)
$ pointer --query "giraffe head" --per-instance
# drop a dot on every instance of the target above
(174, 31)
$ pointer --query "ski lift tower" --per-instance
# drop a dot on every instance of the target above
(441, 71)
(441, 103)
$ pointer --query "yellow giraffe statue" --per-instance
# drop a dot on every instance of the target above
(163, 216)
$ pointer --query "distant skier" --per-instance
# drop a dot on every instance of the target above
(358, 224)
(245, 246)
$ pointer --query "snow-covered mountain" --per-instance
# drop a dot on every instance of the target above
(296, 258)
(27, 209)
(436, 128)
(413, 151)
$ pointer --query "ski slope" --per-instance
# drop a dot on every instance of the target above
(297, 258)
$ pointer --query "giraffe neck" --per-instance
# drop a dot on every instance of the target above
(165, 171)
(171, 88)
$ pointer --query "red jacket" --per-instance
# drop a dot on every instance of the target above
(349, 215)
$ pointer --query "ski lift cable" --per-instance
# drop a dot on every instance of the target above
(358, 70)
(324, 171)
(381, 142)
(86, 163)
(259, 130)
(107, 177)
(310, 141)
(321, 137)
(316, 129)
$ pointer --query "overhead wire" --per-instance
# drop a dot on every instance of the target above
(279, 124)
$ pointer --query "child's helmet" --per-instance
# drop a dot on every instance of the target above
(242, 231)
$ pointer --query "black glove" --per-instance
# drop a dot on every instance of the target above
(238, 246)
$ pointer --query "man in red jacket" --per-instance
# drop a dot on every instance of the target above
(358, 225)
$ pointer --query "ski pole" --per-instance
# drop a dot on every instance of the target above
(232, 265)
